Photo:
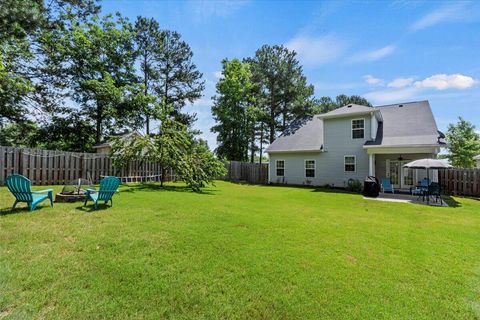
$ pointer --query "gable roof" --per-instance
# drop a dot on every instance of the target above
(406, 124)
(109, 143)
(348, 110)
(304, 134)
(403, 124)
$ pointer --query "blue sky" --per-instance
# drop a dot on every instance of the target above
(388, 52)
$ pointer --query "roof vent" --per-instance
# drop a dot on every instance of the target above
(349, 106)
(400, 105)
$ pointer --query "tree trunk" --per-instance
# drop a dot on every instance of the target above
(261, 143)
(99, 123)
(145, 78)
(272, 113)
(252, 146)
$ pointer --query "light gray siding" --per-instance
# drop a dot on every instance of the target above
(329, 164)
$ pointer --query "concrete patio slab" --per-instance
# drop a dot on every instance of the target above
(407, 198)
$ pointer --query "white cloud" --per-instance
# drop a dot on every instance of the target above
(401, 89)
(372, 80)
(217, 74)
(373, 55)
(391, 95)
(451, 12)
(400, 82)
(446, 81)
(316, 50)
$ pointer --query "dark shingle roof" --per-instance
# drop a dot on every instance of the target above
(304, 134)
(347, 110)
(406, 124)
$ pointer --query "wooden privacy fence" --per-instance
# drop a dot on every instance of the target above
(255, 173)
(465, 182)
(46, 167)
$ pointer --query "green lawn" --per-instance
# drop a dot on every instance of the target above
(240, 252)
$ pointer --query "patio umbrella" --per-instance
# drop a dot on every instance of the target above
(428, 164)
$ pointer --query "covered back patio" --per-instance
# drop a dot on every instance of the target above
(389, 162)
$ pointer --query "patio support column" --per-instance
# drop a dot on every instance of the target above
(371, 164)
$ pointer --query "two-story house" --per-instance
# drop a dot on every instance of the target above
(354, 142)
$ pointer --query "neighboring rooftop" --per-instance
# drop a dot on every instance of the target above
(477, 157)
(304, 134)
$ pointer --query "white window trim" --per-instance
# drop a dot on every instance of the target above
(355, 163)
(314, 168)
(276, 167)
(351, 128)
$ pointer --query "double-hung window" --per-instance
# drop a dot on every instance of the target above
(350, 163)
(358, 128)
(310, 168)
(280, 166)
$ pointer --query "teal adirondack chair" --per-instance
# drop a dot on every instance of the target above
(21, 188)
(108, 187)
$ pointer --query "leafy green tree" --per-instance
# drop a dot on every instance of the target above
(283, 90)
(343, 100)
(179, 81)
(25, 87)
(19, 134)
(174, 148)
(71, 133)
(200, 167)
(148, 40)
(463, 144)
(97, 58)
(232, 110)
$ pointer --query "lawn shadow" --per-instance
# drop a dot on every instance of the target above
(89, 207)
(333, 190)
(166, 188)
(452, 203)
(22, 209)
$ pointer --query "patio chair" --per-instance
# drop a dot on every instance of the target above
(434, 191)
(421, 188)
(21, 188)
(386, 185)
(108, 187)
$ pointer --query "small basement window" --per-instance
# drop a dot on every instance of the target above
(358, 128)
(280, 166)
(310, 168)
(350, 163)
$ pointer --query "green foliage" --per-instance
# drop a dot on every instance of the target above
(234, 110)
(19, 134)
(179, 81)
(174, 148)
(200, 167)
(283, 92)
(327, 104)
(147, 43)
(354, 185)
(463, 144)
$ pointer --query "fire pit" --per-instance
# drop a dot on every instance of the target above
(75, 190)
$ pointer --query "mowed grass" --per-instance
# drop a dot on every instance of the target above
(240, 252)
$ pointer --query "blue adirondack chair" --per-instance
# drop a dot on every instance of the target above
(386, 185)
(21, 188)
(108, 187)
